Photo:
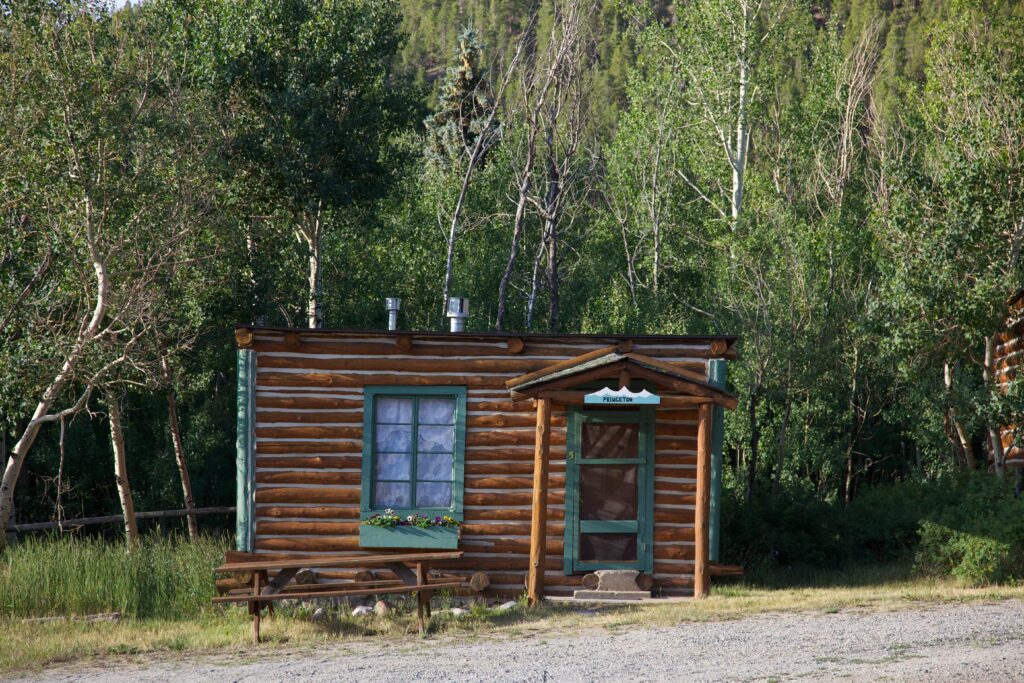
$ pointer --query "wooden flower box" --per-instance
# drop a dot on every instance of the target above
(442, 537)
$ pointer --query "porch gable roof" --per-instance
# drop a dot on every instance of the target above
(607, 363)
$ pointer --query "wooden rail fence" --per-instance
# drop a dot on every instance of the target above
(113, 519)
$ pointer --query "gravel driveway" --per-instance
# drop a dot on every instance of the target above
(971, 642)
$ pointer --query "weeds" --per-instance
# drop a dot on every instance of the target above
(165, 577)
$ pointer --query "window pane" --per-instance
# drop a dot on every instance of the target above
(394, 410)
(434, 467)
(437, 411)
(433, 495)
(436, 439)
(602, 440)
(394, 438)
(388, 494)
(394, 466)
(608, 491)
(608, 547)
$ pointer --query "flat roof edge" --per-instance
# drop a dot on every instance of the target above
(728, 338)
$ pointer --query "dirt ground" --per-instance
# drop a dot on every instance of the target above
(955, 642)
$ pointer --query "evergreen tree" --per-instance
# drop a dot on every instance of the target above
(464, 107)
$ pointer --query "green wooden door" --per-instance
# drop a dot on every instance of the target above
(609, 482)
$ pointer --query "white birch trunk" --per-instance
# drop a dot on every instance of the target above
(961, 432)
(57, 386)
(179, 448)
(739, 161)
(124, 490)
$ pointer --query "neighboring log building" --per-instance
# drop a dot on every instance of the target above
(468, 424)
(1009, 357)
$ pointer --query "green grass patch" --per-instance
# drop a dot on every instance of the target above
(163, 588)
(165, 577)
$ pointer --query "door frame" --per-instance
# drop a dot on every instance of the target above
(644, 416)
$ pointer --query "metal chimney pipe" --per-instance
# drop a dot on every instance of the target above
(392, 303)
(458, 311)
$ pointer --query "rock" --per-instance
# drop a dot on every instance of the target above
(511, 604)
(304, 577)
(601, 595)
(319, 614)
(383, 608)
(616, 580)
(362, 611)
(458, 612)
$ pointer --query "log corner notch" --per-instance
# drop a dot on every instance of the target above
(702, 513)
(244, 337)
(538, 535)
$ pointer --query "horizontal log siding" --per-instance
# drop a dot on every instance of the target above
(309, 413)
(1008, 360)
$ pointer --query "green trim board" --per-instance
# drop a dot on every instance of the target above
(245, 450)
(370, 395)
(643, 526)
(717, 376)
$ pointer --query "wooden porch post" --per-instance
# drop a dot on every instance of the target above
(538, 535)
(703, 512)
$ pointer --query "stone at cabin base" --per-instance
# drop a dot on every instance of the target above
(611, 595)
(616, 579)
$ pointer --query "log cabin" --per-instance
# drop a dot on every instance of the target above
(1006, 363)
(548, 477)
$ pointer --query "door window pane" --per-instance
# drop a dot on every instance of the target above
(608, 547)
(608, 492)
(602, 440)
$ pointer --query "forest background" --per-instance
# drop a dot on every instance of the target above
(839, 184)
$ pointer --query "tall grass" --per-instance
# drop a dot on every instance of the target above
(165, 576)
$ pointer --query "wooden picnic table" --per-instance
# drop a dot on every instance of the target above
(411, 569)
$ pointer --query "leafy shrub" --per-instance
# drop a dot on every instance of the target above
(970, 528)
(978, 540)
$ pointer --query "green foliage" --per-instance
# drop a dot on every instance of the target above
(166, 577)
(977, 539)
(966, 527)
(879, 237)
(464, 108)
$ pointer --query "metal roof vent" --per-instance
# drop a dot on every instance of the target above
(392, 303)
(458, 311)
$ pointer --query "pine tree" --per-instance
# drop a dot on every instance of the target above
(464, 107)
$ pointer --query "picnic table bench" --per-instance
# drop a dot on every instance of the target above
(262, 589)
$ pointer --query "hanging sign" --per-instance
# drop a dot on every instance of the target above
(623, 396)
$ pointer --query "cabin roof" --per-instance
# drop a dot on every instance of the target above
(729, 339)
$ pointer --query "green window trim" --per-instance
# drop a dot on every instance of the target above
(370, 394)
(717, 376)
(644, 526)
(245, 451)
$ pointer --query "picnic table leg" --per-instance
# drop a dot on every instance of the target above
(270, 605)
(255, 608)
(422, 596)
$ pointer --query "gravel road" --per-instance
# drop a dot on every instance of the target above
(969, 642)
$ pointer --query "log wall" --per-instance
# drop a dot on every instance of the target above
(309, 414)
(1009, 358)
